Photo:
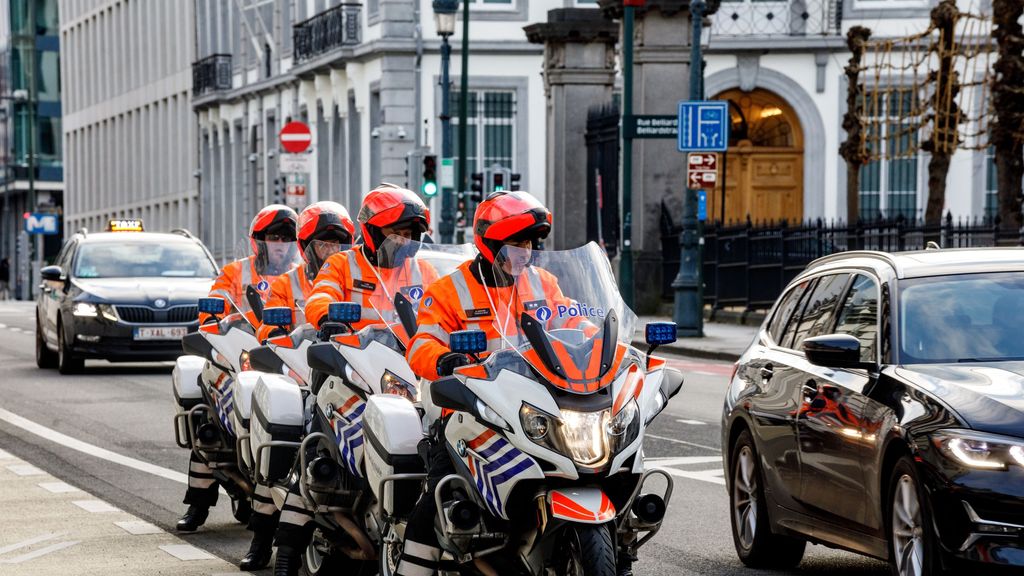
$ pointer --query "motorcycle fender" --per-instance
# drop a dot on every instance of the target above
(581, 505)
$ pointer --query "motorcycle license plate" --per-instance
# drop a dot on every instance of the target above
(161, 333)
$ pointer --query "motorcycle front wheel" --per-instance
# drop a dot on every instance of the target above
(585, 550)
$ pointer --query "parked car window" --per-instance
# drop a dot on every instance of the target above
(969, 317)
(819, 314)
(859, 316)
(785, 309)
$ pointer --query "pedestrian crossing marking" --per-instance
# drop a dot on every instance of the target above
(25, 470)
(58, 487)
(186, 552)
(138, 527)
(94, 506)
(37, 553)
(6, 455)
(30, 542)
(714, 476)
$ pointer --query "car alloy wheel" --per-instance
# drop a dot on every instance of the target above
(907, 528)
(744, 488)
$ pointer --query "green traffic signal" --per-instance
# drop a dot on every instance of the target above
(429, 189)
(429, 186)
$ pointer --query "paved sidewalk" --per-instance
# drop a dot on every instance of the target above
(51, 527)
(720, 342)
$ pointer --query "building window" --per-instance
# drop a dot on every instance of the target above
(490, 129)
(889, 183)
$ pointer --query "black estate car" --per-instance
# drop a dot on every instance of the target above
(120, 296)
(881, 410)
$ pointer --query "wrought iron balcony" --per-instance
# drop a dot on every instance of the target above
(778, 18)
(331, 29)
(211, 74)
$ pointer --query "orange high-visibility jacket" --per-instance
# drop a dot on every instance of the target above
(231, 283)
(349, 277)
(460, 302)
(289, 290)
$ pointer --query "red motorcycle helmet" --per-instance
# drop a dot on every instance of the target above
(509, 216)
(275, 218)
(325, 220)
(391, 206)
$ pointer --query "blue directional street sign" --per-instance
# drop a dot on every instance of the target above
(702, 205)
(39, 223)
(703, 126)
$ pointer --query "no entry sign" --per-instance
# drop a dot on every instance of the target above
(296, 137)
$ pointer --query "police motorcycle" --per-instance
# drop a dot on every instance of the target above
(213, 383)
(357, 377)
(547, 433)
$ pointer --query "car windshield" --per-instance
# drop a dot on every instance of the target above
(962, 318)
(143, 260)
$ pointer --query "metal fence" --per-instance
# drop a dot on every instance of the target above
(748, 265)
(777, 18)
(333, 28)
(211, 74)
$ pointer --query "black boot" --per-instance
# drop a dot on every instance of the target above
(194, 517)
(260, 551)
(624, 565)
(287, 563)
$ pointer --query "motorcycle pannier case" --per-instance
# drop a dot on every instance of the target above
(187, 393)
(393, 430)
(242, 389)
(277, 416)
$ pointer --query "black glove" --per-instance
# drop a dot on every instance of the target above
(329, 329)
(447, 364)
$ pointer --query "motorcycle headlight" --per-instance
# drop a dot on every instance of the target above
(353, 377)
(391, 384)
(243, 362)
(584, 436)
(536, 423)
(84, 309)
(980, 450)
(619, 424)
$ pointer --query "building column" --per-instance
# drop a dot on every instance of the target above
(579, 74)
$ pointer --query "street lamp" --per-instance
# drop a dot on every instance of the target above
(444, 17)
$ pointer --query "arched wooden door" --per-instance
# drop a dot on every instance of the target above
(764, 169)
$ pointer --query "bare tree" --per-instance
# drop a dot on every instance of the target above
(1007, 132)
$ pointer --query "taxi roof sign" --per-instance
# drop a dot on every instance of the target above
(125, 225)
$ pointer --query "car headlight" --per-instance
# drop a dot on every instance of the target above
(392, 384)
(84, 309)
(980, 450)
(108, 312)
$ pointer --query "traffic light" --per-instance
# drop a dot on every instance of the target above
(279, 189)
(514, 184)
(429, 186)
(477, 187)
(499, 181)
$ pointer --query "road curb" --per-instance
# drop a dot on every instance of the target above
(683, 349)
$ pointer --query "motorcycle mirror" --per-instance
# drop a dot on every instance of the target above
(264, 359)
(406, 313)
(468, 341)
(277, 316)
(197, 345)
(324, 358)
(213, 306)
(252, 296)
(671, 383)
(452, 394)
(344, 312)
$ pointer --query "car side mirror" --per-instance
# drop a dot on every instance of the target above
(834, 351)
(451, 393)
(52, 274)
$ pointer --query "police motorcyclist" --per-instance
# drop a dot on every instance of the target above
(487, 293)
(357, 275)
(323, 228)
(272, 239)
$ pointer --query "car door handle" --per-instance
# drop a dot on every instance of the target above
(767, 371)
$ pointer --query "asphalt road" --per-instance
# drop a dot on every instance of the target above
(127, 409)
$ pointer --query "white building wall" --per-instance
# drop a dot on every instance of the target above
(129, 129)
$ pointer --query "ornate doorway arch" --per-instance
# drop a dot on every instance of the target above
(764, 168)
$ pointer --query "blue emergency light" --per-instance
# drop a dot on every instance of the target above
(277, 316)
(211, 305)
(468, 341)
(344, 312)
(658, 333)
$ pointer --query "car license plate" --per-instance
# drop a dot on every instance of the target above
(161, 333)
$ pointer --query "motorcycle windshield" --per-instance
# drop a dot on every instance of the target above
(406, 268)
(562, 313)
(318, 251)
(272, 258)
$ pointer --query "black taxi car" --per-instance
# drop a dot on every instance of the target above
(880, 409)
(120, 295)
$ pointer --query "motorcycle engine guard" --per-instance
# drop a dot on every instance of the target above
(581, 505)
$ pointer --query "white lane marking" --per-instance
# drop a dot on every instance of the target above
(41, 552)
(186, 552)
(58, 487)
(14, 329)
(3, 325)
(691, 422)
(138, 527)
(90, 449)
(683, 461)
(6, 455)
(30, 542)
(25, 470)
(714, 476)
(677, 441)
(95, 506)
